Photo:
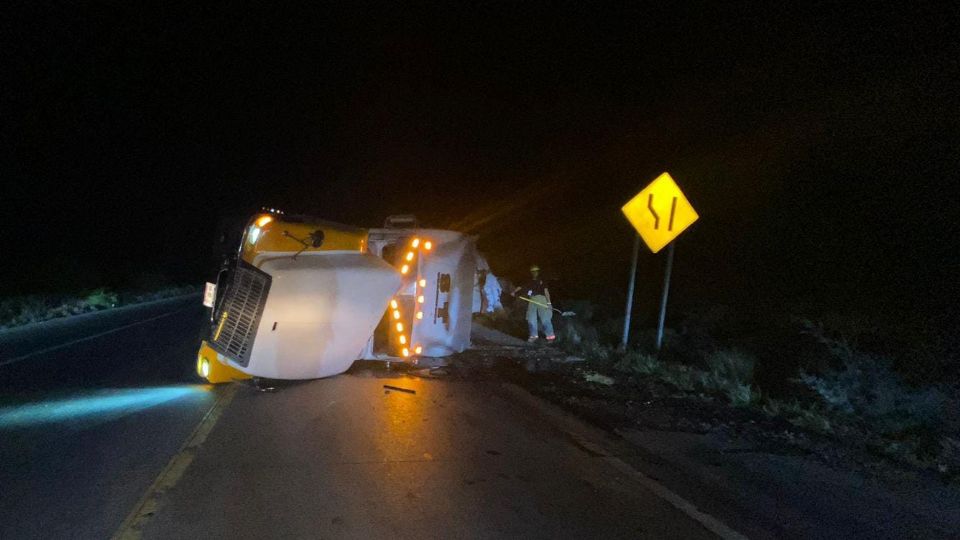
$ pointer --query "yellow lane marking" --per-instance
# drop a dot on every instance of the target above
(149, 503)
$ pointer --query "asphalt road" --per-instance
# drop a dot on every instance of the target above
(92, 437)
(105, 431)
(347, 457)
(91, 410)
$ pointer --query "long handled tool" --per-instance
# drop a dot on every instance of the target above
(534, 302)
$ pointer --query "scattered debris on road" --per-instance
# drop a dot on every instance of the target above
(398, 389)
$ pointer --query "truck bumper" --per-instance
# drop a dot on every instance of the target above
(213, 369)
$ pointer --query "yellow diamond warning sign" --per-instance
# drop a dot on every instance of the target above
(660, 212)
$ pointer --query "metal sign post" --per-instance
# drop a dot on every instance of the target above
(663, 298)
(659, 213)
(630, 284)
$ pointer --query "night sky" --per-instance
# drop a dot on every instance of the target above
(818, 143)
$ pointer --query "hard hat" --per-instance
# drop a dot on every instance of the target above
(534, 268)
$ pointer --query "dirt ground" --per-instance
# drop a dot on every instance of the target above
(636, 402)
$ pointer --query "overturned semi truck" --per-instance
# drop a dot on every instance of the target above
(303, 298)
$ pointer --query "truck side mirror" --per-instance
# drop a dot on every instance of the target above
(316, 238)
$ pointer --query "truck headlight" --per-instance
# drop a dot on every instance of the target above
(203, 366)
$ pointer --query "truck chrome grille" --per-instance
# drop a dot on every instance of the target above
(236, 328)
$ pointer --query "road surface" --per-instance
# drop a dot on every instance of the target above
(105, 432)
(90, 429)
(348, 457)
(87, 424)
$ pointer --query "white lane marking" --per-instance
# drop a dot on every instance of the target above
(711, 523)
(88, 338)
(149, 503)
(562, 421)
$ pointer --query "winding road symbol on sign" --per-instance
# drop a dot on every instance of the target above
(660, 212)
(656, 218)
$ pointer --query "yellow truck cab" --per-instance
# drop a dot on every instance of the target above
(305, 298)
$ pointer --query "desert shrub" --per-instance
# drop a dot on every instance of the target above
(738, 394)
(731, 374)
(681, 376)
(579, 334)
(732, 364)
(865, 385)
(572, 331)
(101, 299)
(808, 416)
(158, 294)
(638, 362)
(21, 310)
(593, 352)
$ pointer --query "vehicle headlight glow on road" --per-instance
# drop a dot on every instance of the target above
(103, 403)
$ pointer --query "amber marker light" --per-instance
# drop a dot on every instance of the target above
(419, 314)
(428, 245)
(416, 243)
(420, 299)
(396, 314)
(409, 256)
(406, 352)
(399, 327)
(403, 340)
(263, 220)
(423, 283)
(404, 269)
(418, 350)
(393, 304)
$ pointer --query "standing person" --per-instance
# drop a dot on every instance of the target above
(538, 305)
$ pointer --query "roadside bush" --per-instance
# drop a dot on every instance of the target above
(639, 363)
(732, 365)
(572, 331)
(21, 310)
(810, 416)
(101, 299)
(158, 294)
(593, 352)
(682, 376)
(865, 385)
(731, 373)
